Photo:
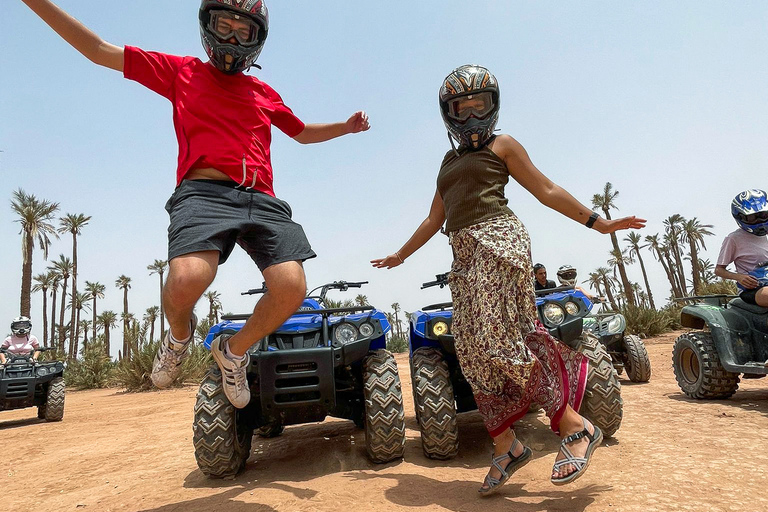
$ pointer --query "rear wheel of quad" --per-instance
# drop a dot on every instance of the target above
(53, 410)
(638, 363)
(602, 403)
(698, 370)
(435, 405)
(269, 431)
(384, 414)
(222, 443)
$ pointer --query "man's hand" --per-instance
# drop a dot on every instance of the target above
(747, 281)
(358, 122)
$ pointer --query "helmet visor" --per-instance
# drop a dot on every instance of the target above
(227, 24)
(478, 105)
(754, 218)
(19, 326)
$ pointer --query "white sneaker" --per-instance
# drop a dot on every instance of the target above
(168, 359)
(233, 377)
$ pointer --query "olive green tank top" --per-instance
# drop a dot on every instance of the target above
(472, 187)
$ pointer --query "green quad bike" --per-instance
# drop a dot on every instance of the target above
(731, 338)
(25, 382)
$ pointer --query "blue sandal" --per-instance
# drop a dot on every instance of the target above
(581, 463)
(514, 464)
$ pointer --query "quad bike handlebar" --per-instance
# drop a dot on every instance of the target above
(441, 280)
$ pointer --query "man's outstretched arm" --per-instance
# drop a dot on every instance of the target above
(322, 132)
(78, 35)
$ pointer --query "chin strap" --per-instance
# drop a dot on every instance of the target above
(453, 146)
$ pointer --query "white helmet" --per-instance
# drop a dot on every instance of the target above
(21, 326)
(567, 275)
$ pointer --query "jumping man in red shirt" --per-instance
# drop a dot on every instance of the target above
(224, 194)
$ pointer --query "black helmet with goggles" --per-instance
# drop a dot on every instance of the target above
(233, 32)
(469, 104)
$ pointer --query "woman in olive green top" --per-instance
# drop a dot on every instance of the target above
(507, 356)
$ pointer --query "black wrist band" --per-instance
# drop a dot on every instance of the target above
(592, 219)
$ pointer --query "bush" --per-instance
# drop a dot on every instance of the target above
(397, 344)
(93, 371)
(721, 287)
(646, 322)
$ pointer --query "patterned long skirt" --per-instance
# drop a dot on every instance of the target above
(506, 355)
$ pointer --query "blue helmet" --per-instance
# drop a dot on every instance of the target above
(750, 209)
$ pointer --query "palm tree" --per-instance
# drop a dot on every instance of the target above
(594, 282)
(42, 283)
(124, 283)
(63, 268)
(396, 309)
(214, 305)
(77, 304)
(674, 226)
(107, 320)
(84, 325)
(634, 239)
(605, 202)
(96, 291)
(34, 216)
(54, 289)
(656, 250)
(73, 223)
(666, 249)
(128, 319)
(158, 267)
(694, 232)
(150, 316)
(707, 269)
(361, 300)
(605, 276)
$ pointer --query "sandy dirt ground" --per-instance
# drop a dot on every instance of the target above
(133, 452)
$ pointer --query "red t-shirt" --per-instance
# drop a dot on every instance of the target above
(222, 121)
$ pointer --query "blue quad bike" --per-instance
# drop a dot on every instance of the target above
(627, 351)
(440, 390)
(28, 383)
(731, 339)
(321, 362)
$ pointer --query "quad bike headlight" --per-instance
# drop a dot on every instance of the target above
(346, 333)
(366, 330)
(616, 324)
(553, 313)
(572, 308)
(42, 371)
(440, 328)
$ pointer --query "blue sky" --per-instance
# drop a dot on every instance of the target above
(666, 100)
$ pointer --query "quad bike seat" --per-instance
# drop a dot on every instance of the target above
(757, 310)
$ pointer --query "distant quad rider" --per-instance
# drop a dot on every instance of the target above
(747, 247)
(566, 274)
(20, 342)
(224, 193)
(540, 281)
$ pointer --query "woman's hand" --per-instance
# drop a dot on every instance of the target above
(391, 261)
(747, 281)
(606, 226)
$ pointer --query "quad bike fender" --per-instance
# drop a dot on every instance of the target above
(730, 332)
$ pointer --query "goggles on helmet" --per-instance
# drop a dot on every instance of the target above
(18, 326)
(754, 218)
(477, 105)
(227, 24)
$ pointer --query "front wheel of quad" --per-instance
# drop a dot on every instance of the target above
(435, 405)
(384, 414)
(638, 363)
(698, 370)
(222, 443)
(53, 410)
(602, 403)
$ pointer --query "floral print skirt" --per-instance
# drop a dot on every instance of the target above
(506, 355)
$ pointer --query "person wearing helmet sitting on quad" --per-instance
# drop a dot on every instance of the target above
(567, 277)
(747, 247)
(540, 281)
(507, 356)
(20, 342)
(224, 194)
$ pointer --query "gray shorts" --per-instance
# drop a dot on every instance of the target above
(214, 215)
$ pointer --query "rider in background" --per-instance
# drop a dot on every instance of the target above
(747, 247)
(567, 277)
(541, 282)
(21, 341)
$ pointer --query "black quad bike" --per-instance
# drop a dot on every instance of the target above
(28, 383)
(321, 362)
(440, 390)
(627, 351)
(731, 339)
